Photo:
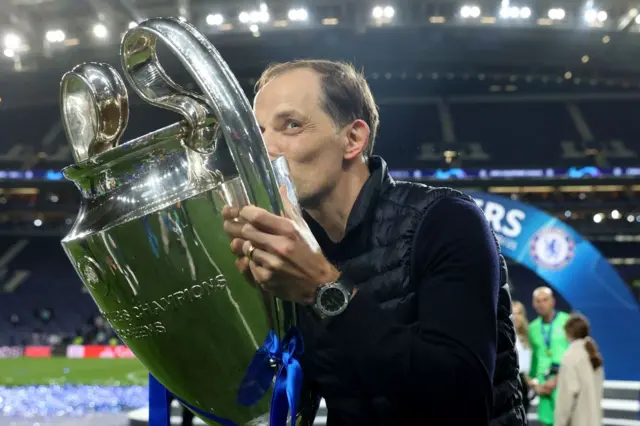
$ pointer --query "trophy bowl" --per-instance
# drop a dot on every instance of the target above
(148, 241)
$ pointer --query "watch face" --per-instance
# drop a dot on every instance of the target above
(333, 300)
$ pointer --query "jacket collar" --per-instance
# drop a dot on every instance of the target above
(367, 199)
(364, 206)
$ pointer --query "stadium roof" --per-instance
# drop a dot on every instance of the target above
(43, 27)
(586, 43)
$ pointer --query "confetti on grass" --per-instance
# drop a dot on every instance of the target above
(69, 400)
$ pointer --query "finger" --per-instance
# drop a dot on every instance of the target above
(230, 213)
(247, 247)
(267, 222)
(261, 274)
(233, 228)
(242, 264)
(267, 260)
(236, 246)
(261, 257)
(276, 244)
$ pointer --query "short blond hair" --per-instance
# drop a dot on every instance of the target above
(346, 95)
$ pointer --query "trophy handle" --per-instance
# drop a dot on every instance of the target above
(221, 94)
(95, 109)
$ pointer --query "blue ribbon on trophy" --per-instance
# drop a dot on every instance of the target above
(257, 381)
(260, 373)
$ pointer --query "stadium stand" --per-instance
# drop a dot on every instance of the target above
(43, 302)
(505, 134)
(616, 120)
(515, 134)
(399, 132)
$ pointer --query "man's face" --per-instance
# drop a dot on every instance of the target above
(543, 302)
(294, 125)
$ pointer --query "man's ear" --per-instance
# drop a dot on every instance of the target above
(357, 137)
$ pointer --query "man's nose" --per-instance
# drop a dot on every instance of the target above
(272, 145)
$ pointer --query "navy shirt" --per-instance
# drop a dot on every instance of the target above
(441, 368)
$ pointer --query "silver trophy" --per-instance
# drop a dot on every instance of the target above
(148, 241)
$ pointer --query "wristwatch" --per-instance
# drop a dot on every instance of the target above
(332, 299)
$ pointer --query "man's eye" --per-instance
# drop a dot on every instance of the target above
(292, 125)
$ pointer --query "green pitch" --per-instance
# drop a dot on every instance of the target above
(43, 371)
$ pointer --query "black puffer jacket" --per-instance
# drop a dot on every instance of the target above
(380, 238)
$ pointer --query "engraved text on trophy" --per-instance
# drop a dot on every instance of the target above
(144, 320)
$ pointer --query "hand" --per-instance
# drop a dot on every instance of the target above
(540, 390)
(550, 384)
(281, 262)
(546, 388)
(530, 382)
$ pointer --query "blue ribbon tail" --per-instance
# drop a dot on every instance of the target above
(279, 401)
(159, 410)
(294, 384)
(259, 376)
(286, 391)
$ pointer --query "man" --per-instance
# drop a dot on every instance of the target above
(405, 313)
(548, 344)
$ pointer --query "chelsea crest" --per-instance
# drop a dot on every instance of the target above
(552, 248)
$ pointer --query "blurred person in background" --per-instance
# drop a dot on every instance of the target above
(14, 319)
(36, 338)
(580, 378)
(78, 339)
(548, 345)
(523, 346)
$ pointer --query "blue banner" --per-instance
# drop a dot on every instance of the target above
(575, 269)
